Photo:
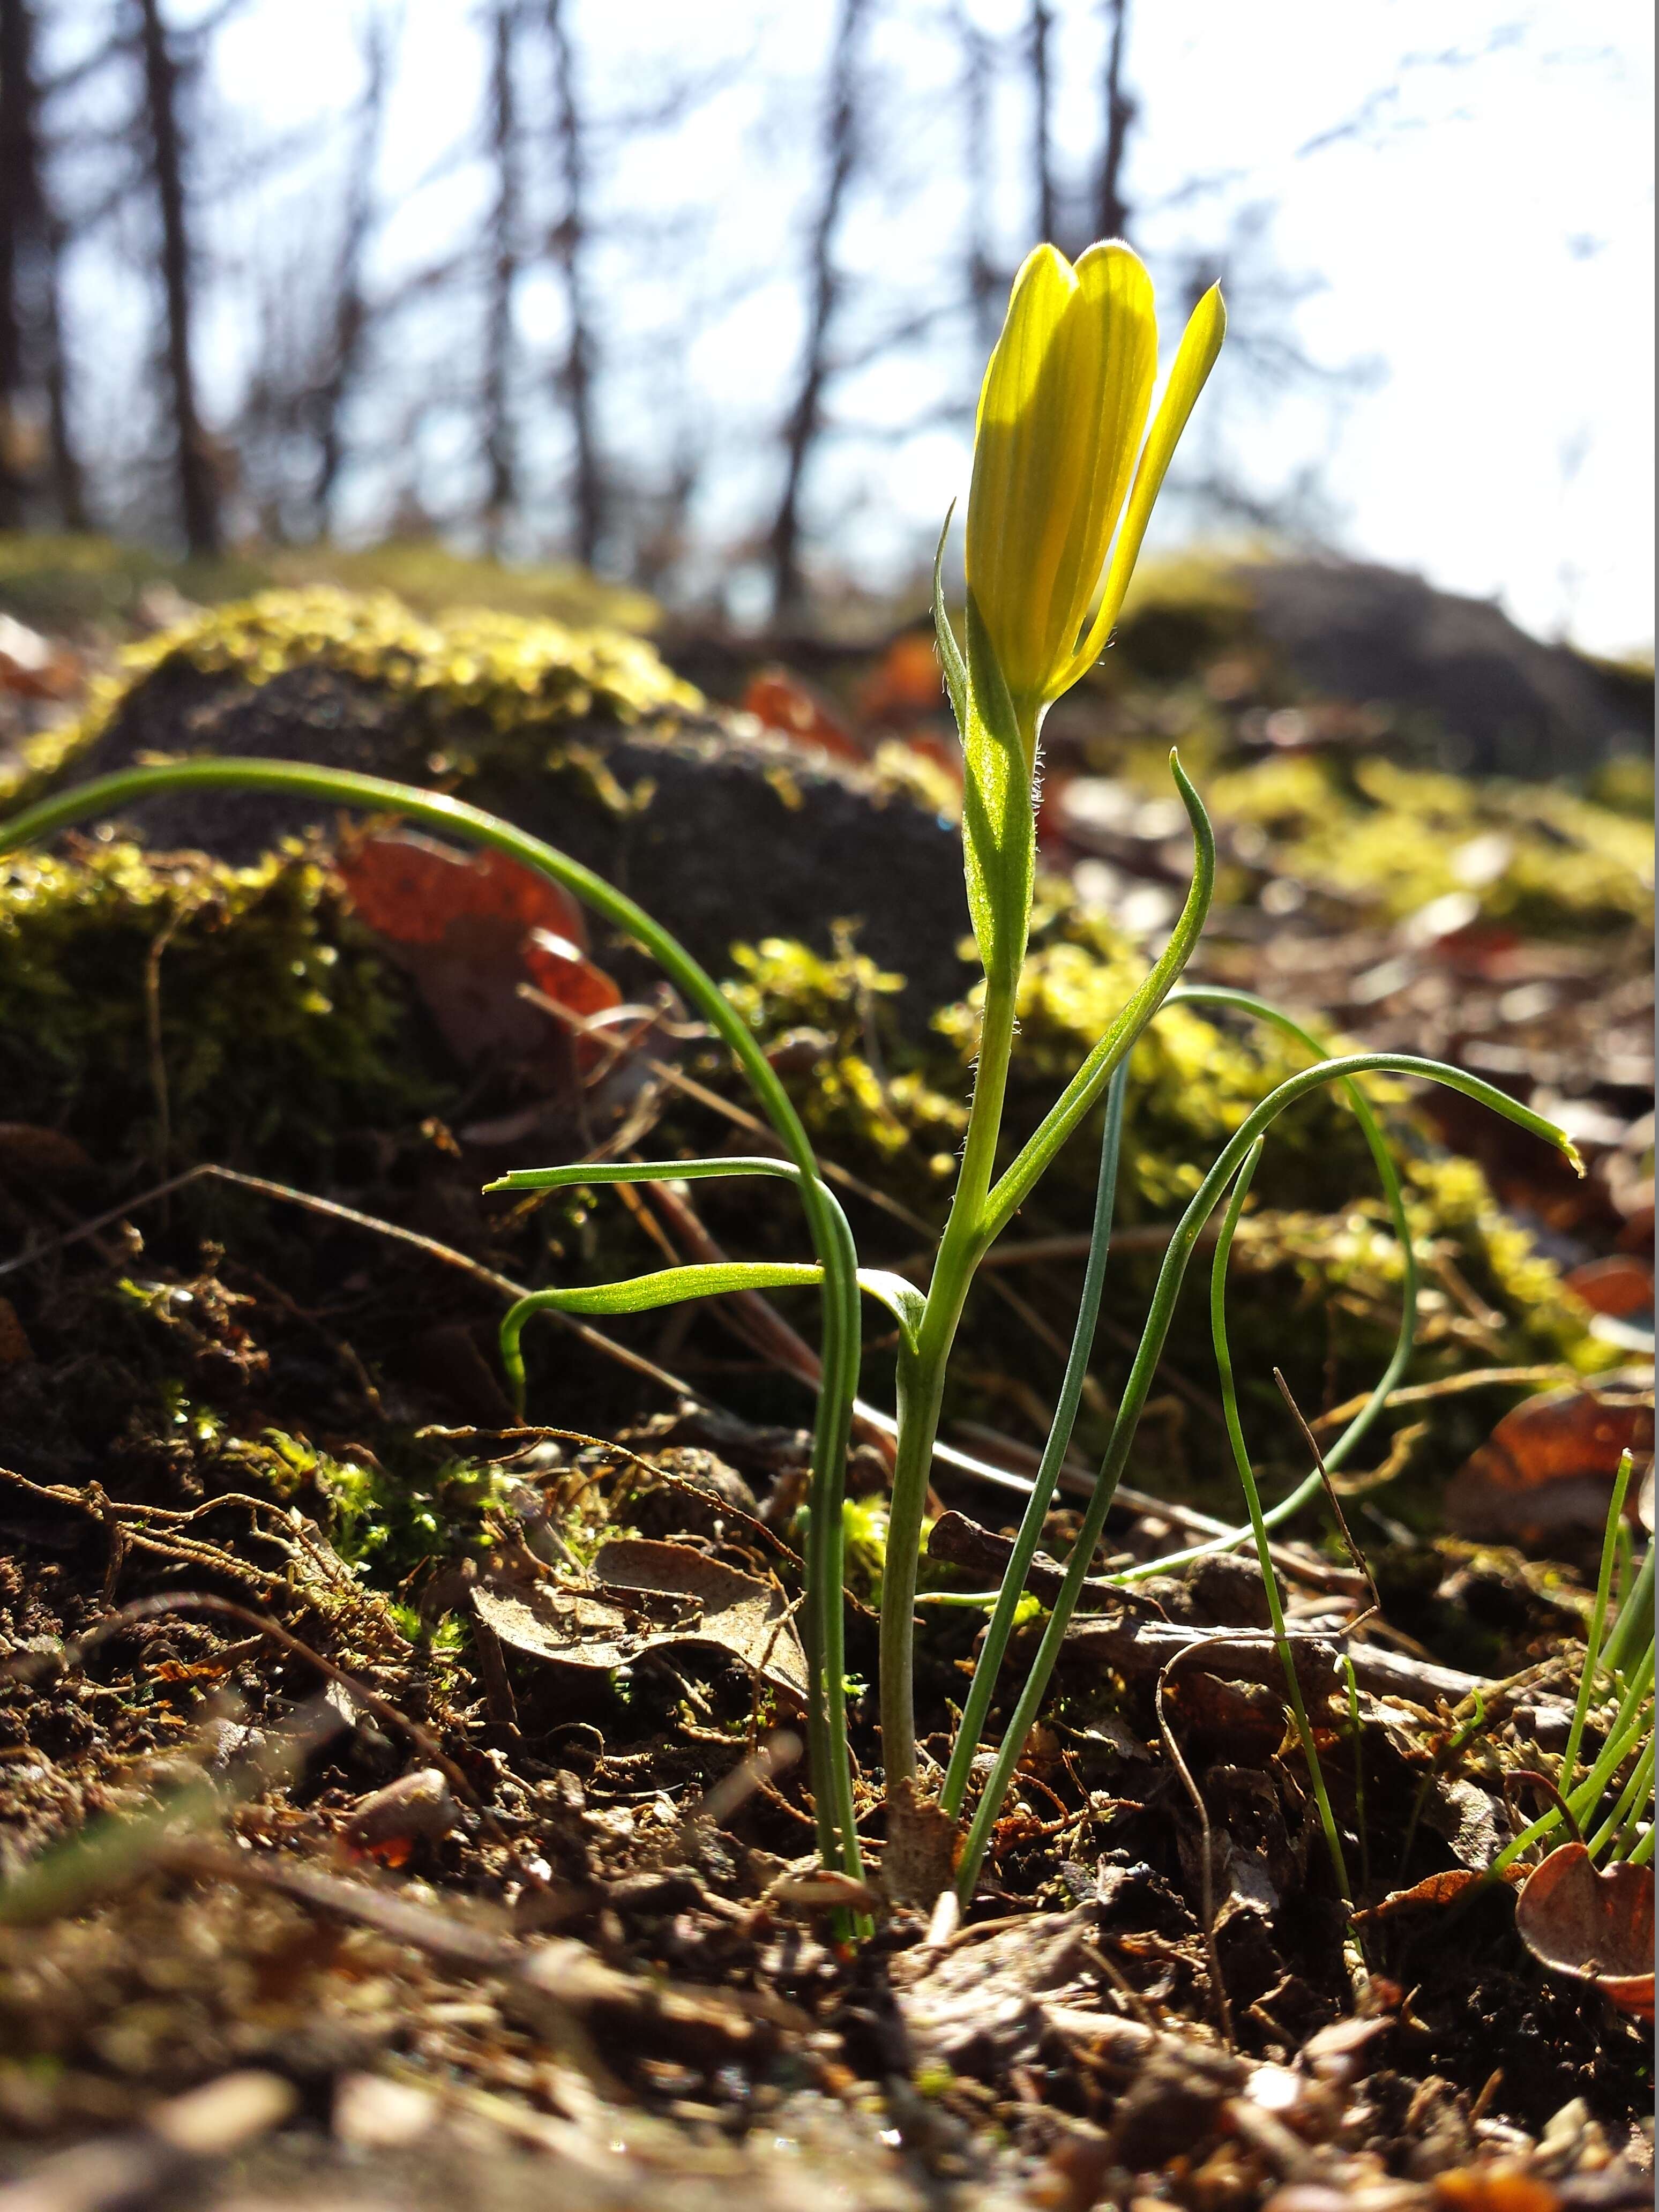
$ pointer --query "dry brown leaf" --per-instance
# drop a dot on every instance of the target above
(1434, 1890)
(687, 1600)
(1621, 1284)
(1593, 1922)
(921, 1842)
(1550, 1464)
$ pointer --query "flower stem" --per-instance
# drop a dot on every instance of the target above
(922, 1379)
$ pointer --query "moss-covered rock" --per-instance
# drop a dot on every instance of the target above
(584, 737)
(168, 1010)
(276, 1035)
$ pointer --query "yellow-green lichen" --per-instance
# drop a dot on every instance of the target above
(1536, 856)
(499, 673)
(233, 1009)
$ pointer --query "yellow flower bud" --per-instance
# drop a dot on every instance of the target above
(1057, 452)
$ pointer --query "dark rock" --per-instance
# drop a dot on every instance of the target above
(724, 833)
(1505, 704)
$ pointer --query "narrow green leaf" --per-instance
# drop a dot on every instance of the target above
(950, 652)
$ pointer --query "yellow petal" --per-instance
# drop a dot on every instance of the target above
(1113, 360)
(1201, 342)
(1016, 464)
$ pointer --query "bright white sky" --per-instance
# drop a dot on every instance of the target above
(1486, 238)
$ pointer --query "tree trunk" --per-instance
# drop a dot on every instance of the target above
(198, 496)
(577, 377)
(805, 418)
(351, 312)
(1111, 212)
(501, 457)
(1043, 151)
(32, 365)
(976, 77)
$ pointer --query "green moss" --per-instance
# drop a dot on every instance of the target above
(275, 1030)
(68, 579)
(385, 1524)
(503, 676)
(1536, 856)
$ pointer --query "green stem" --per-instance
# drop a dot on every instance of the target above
(1224, 1360)
(1597, 1622)
(982, 1689)
(831, 1768)
(1145, 1361)
(920, 1381)
(1626, 1813)
(1634, 1621)
(1042, 1146)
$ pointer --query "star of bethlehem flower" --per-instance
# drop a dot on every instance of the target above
(1060, 446)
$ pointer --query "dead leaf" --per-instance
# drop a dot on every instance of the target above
(921, 1843)
(1468, 1818)
(1550, 1464)
(821, 1889)
(388, 1823)
(1504, 2185)
(907, 685)
(1435, 1891)
(781, 701)
(984, 2005)
(1594, 1923)
(1620, 1284)
(471, 928)
(687, 1600)
(47, 1154)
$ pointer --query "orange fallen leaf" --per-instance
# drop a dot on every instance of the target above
(1621, 1285)
(907, 685)
(1551, 1463)
(783, 702)
(471, 928)
(1593, 1922)
(1434, 1890)
(410, 888)
(1503, 2186)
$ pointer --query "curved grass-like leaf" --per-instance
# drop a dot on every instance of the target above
(950, 652)
(830, 1759)
(1170, 1276)
(1000, 1624)
(1224, 1360)
(1246, 1002)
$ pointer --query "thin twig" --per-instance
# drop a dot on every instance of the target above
(1206, 1877)
(1375, 1609)
(75, 1650)
(492, 1280)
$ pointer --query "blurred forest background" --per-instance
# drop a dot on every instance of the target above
(698, 298)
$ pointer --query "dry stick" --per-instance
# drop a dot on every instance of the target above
(1448, 1386)
(490, 1277)
(1375, 1609)
(133, 1521)
(149, 1608)
(1206, 1883)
